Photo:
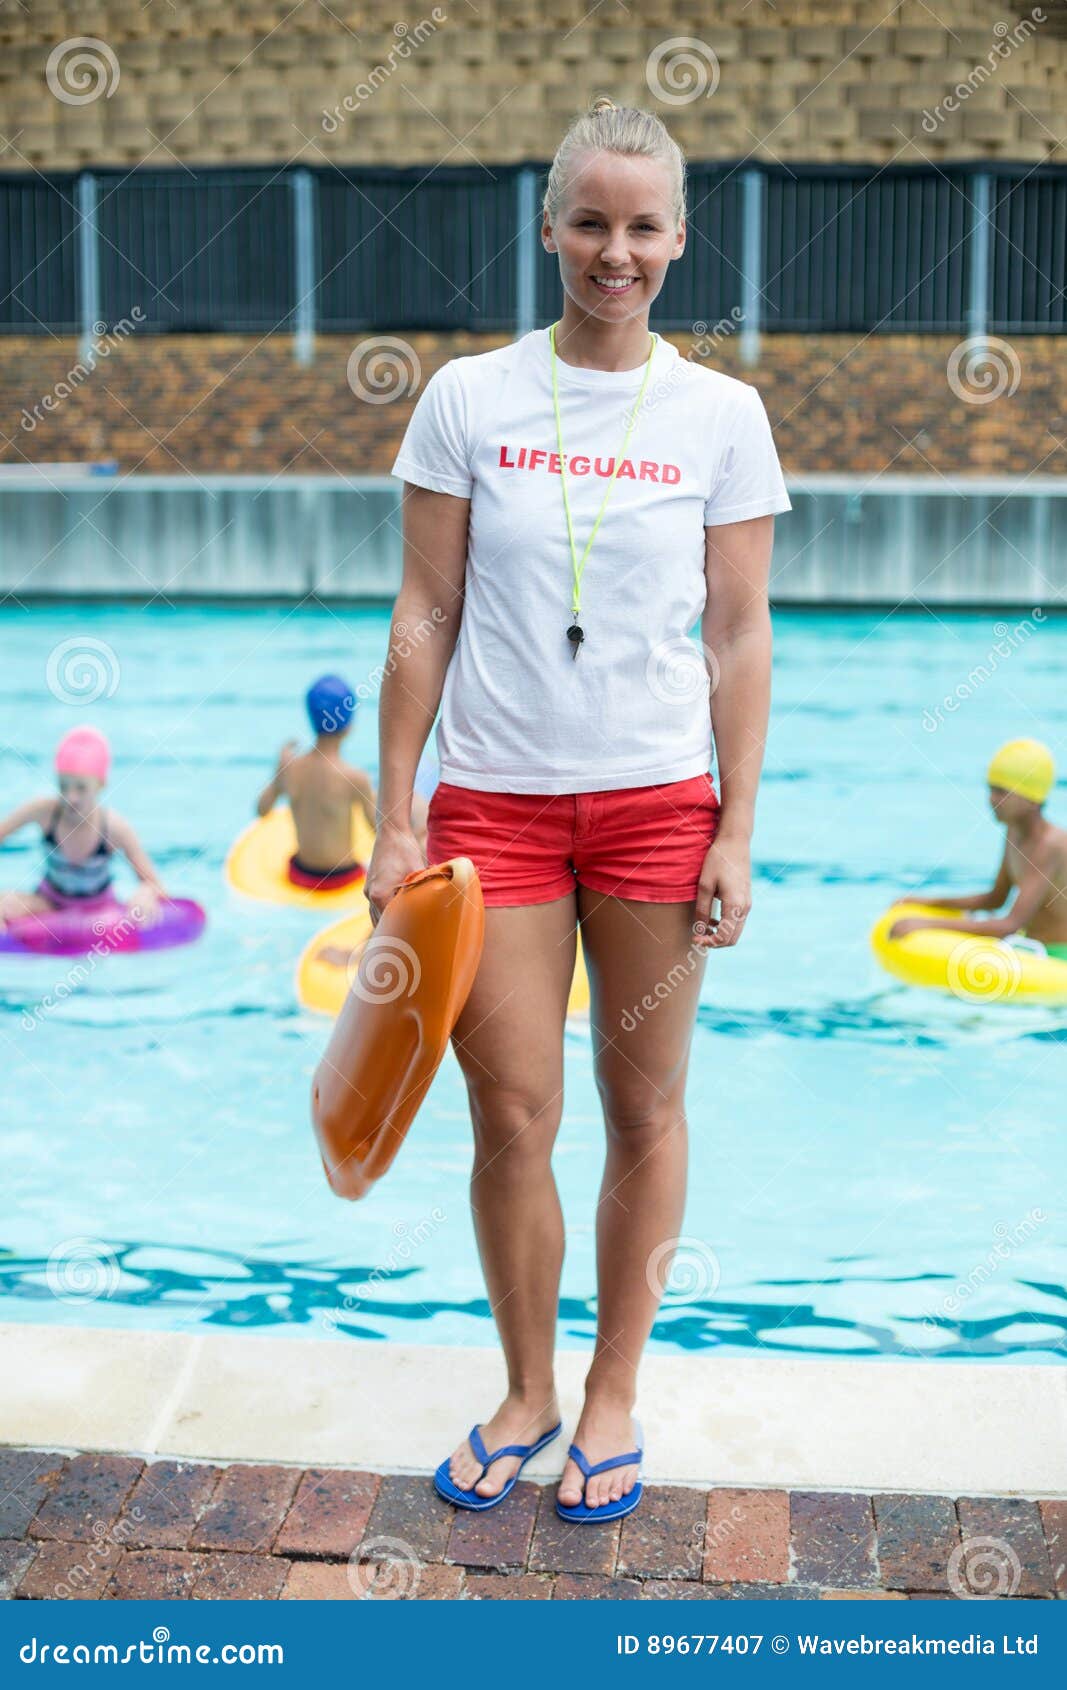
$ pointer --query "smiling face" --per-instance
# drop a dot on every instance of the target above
(615, 234)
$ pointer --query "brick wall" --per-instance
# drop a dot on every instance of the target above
(838, 403)
(249, 80)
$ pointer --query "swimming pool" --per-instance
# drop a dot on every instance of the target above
(874, 1171)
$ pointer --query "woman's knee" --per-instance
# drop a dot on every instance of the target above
(638, 1114)
(512, 1123)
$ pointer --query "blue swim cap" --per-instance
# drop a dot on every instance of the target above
(331, 704)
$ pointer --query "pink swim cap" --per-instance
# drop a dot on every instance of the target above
(83, 751)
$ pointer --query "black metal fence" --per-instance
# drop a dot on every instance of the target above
(807, 248)
(842, 251)
(38, 254)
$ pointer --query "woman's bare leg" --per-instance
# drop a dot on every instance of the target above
(634, 951)
(509, 1041)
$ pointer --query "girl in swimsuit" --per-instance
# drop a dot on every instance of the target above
(574, 743)
(80, 837)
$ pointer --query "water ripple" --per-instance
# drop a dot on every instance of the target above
(224, 1289)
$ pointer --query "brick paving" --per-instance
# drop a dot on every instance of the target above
(114, 1527)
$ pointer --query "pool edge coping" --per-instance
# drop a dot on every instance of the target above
(801, 1423)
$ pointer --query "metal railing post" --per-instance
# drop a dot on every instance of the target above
(753, 199)
(525, 251)
(305, 210)
(88, 249)
(979, 242)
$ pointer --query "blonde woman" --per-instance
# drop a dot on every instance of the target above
(574, 503)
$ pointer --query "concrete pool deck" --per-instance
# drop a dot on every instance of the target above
(944, 1428)
(171, 1465)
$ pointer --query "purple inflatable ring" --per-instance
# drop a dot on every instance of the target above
(105, 928)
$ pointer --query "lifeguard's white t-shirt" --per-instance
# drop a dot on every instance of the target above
(519, 713)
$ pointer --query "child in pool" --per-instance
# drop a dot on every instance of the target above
(322, 788)
(1020, 777)
(81, 837)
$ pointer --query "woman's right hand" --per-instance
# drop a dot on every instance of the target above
(396, 854)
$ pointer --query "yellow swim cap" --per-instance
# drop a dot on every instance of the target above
(1024, 766)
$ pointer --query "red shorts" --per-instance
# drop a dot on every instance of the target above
(642, 842)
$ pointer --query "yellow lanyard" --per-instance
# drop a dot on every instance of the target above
(575, 633)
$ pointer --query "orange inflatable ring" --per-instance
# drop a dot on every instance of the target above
(414, 976)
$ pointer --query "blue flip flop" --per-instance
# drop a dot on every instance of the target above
(470, 1498)
(579, 1512)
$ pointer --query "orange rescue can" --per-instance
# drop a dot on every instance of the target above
(414, 976)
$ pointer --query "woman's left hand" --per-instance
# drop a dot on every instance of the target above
(726, 875)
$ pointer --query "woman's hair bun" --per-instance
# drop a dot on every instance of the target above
(624, 131)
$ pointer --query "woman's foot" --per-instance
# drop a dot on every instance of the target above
(606, 1428)
(518, 1420)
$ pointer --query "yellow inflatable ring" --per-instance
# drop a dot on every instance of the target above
(972, 968)
(323, 986)
(258, 861)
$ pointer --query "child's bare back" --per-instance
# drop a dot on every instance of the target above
(320, 786)
(322, 789)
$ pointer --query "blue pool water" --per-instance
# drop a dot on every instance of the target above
(874, 1171)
